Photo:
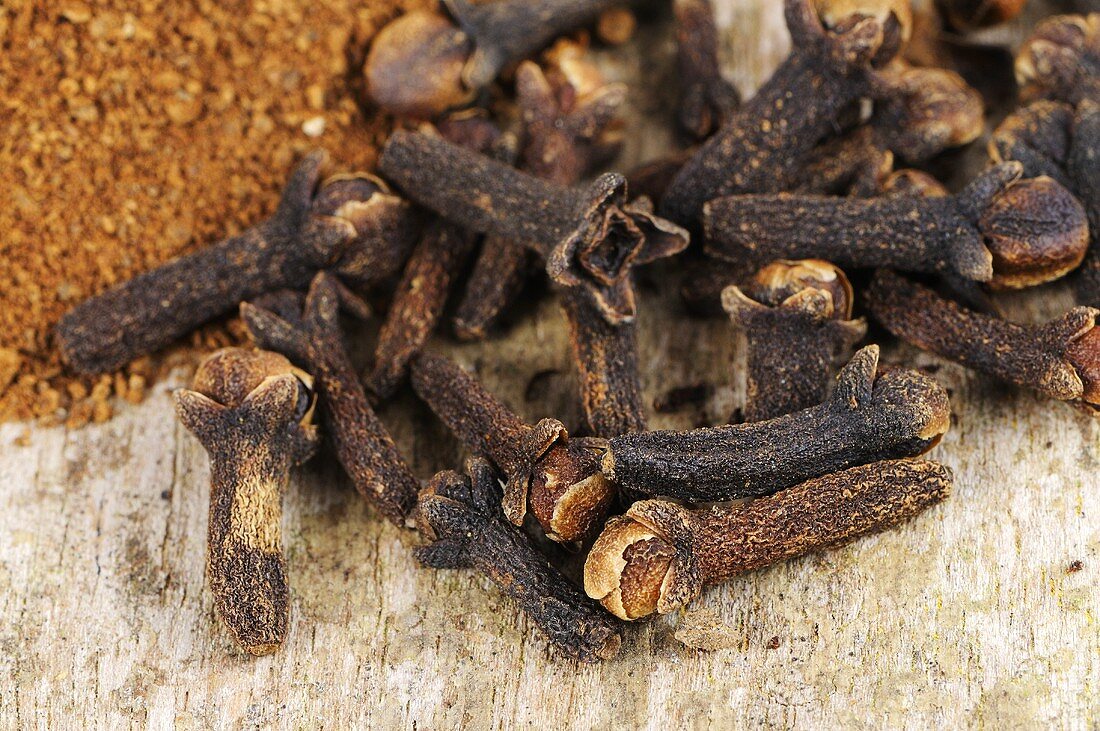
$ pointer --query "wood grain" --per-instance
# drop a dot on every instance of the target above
(974, 615)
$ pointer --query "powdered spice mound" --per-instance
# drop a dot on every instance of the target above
(138, 131)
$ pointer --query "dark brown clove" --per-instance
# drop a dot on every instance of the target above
(351, 224)
(1060, 359)
(462, 519)
(363, 446)
(969, 15)
(433, 266)
(660, 555)
(1051, 138)
(253, 412)
(797, 318)
(896, 413)
(570, 126)
(1061, 60)
(424, 63)
(762, 143)
(1008, 232)
(706, 99)
(588, 236)
(558, 478)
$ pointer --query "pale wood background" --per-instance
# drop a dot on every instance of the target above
(968, 616)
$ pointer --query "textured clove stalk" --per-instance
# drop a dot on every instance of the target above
(556, 477)
(462, 519)
(363, 446)
(1008, 232)
(1060, 359)
(797, 318)
(436, 262)
(706, 99)
(588, 236)
(761, 144)
(660, 555)
(425, 62)
(896, 413)
(253, 412)
(570, 126)
(351, 224)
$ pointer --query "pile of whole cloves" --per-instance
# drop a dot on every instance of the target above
(822, 174)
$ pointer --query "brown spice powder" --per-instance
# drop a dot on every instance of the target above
(138, 131)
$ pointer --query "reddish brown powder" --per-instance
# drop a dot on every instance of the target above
(135, 131)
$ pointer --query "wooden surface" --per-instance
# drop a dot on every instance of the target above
(971, 615)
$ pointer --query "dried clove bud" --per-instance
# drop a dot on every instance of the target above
(969, 15)
(588, 236)
(760, 145)
(424, 63)
(1008, 232)
(797, 318)
(363, 446)
(706, 99)
(351, 224)
(1061, 60)
(896, 413)
(570, 126)
(462, 519)
(253, 412)
(660, 555)
(836, 14)
(1060, 359)
(1051, 138)
(557, 477)
(435, 263)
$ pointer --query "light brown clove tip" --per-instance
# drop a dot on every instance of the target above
(626, 568)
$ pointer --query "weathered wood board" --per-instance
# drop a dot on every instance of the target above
(981, 613)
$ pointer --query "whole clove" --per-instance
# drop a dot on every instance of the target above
(762, 143)
(1008, 232)
(706, 99)
(363, 446)
(435, 263)
(351, 224)
(1060, 359)
(461, 517)
(589, 236)
(425, 62)
(660, 555)
(797, 319)
(870, 416)
(570, 126)
(1061, 60)
(558, 478)
(253, 412)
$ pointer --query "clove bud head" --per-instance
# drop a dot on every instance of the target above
(232, 375)
(875, 30)
(415, 66)
(1036, 231)
(1083, 354)
(1061, 60)
(928, 111)
(627, 567)
(569, 495)
(779, 282)
(888, 13)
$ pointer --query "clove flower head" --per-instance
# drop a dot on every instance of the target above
(1061, 60)
(415, 64)
(927, 111)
